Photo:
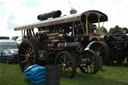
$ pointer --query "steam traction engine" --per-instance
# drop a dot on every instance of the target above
(118, 44)
(64, 41)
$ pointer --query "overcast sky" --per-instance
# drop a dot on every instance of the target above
(18, 12)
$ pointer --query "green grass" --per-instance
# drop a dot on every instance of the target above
(10, 74)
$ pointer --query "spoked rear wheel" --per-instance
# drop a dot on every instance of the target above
(27, 54)
(67, 64)
(90, 62)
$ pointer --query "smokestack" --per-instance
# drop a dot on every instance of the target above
(73, 11)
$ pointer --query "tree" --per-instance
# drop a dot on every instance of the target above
(102, 30)
(114, 28)
(117, 28)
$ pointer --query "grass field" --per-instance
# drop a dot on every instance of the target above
(10, 74)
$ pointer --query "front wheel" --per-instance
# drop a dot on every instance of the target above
(90, 62)
(67, 64)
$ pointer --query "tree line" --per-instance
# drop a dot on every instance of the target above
(104, 31)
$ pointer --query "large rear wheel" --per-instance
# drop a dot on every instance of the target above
(101, 49)
(28, 53)
(67, 64)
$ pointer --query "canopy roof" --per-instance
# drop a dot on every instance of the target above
(91, 14)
